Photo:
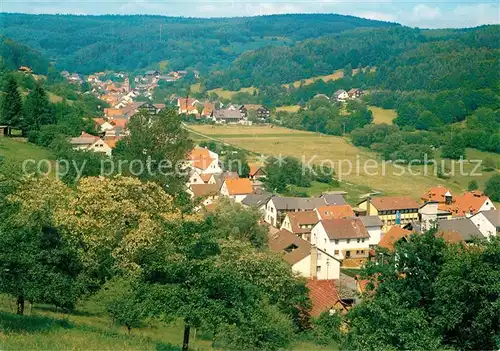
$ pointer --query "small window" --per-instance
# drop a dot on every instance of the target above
(357, 252)
(348, 241)
(363, 240)
(291, 248)
(336, 242)
(319, 256)
(359, 240)
(318, 269)
(336, 252)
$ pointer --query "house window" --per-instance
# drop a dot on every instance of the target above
(363, 240)
(336, 252)
(319, 256)
(318, 269)
(348, 241)
(291, 248)
(359, 240)
(325, 241)
(362, 251)
(336, 242)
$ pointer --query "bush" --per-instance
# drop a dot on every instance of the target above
(492, 188)
(326, 328)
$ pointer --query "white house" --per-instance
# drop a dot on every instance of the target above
(374, 226)
(344, 238)
(206, 193)
(236, 189)
(88, 142)
(277, 207)
(305, 259)
(204, 161)
(488, 222)
(341, 95)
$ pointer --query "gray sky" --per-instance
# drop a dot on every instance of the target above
(424, 13)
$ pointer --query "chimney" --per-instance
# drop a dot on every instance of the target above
(368, 205)
(314, 261)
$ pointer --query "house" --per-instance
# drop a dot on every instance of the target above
(392, 210)
(208, 108)
(4, 130)
(25, 69)
(430, 214)
(228, 116)
(88, 142)
(261, 112)
(394, 235)
(236, 189)
(278, 206)
(345, 239)
(334, 212)
(459, 229)
(258, 201)
(300, 223)
(354, 93)
(204, 161)
(487, 222)
(256, 172)
(305, 259)
(465, 205)
(206, 193)
(340, 95)
(188, 106)
(325, 297)
(334, 197)
(374, 226)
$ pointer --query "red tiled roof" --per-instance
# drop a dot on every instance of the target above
(451, 236)
(335, 211)
(205, 177)
(468, 203)
(323, 295)
(392, 236)
(393, 203)
(435, 194)
(351, 228)
(203, 190)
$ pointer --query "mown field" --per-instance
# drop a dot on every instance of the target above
(367, 171)
(228, 94)
(382, 115)
(19, 150)
(44, 328)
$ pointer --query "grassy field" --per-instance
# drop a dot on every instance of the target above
(196, 88)
(382, 115)
(228, 94)
(368, 172)
(334, 76)
(18, 150)
(292, 108)
(87, 329)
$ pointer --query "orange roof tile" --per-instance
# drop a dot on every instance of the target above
(205, 177)
(435, 194)
(468, 203)
(323, 295)
(241, 186)
(119, 122)
(99, 121)
(111, 142)
(390, 238)
(335, 212)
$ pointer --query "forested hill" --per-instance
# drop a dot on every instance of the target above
(14, 55)
(406, 59)
(93, 43)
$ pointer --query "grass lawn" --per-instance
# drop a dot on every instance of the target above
(339, 152)
(334, 76)
(87, 329)
(291, 108)
(196, 88)
(17, 150)
(382, 115)
(228, 94)
(351, 272)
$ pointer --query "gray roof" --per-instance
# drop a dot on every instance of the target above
(493, 216)
(463, 226)
(371, 221)
(334, 198)
(83, 140)
(227, 114)
(256, 200)
(297, 203)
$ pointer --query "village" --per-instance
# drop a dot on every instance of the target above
(321, 237)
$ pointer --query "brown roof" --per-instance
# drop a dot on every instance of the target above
(390, 238)
(297, 219)
(451, 236)
(205, 177)
(202, 190)
(335, 211)
(323, 295)
(351, 228)
(284, 241)
(393, 203)
(241, 186)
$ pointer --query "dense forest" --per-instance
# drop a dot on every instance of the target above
(14, 55)
(93, 43)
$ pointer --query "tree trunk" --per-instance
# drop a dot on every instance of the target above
(20, 305)
(185, 343)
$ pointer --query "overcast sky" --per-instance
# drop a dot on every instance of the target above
(424, 13)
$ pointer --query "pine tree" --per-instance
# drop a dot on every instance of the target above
(11, 106)
(37, 110)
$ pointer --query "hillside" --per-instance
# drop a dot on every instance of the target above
(14, 55)
(408, 59)
(94, 43)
